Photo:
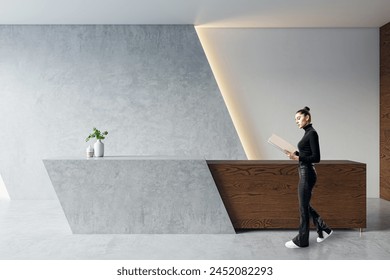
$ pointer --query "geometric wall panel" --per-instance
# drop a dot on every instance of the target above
(150, 86)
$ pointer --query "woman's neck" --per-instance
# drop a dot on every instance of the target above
(307, 126)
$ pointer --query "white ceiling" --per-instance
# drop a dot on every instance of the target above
(208, 13)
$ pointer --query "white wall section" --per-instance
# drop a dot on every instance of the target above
(3, 190)
(268, 74)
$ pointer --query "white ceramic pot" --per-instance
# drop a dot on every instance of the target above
(99, 148)
(90, 151)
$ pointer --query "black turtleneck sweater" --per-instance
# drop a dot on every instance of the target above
(309, 146)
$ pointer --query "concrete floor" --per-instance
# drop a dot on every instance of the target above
(39, 230)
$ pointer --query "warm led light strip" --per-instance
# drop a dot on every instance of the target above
(229, 102)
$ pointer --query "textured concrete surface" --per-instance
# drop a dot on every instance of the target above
(39, 230)
(151, 87)
(138, 195)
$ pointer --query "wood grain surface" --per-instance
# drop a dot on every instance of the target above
(263, 194)
(385, 112)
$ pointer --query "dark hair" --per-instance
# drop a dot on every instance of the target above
(306, 112)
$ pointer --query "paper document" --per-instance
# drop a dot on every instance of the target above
(281, 144)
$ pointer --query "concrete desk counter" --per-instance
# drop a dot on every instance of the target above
(138, 195)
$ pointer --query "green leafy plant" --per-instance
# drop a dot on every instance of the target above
(96, 134)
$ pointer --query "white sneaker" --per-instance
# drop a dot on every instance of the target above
(291, 245)
(326, 235)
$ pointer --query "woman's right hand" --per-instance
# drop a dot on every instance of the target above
(292, 156)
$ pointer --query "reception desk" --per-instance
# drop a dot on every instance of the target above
(126, 195)
(263, 194)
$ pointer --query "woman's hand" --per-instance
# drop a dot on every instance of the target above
(292, 156)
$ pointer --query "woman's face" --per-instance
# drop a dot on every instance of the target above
(301, 120)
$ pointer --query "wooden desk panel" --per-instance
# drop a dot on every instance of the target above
(263, 194)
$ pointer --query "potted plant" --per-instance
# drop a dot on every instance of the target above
(98, 146)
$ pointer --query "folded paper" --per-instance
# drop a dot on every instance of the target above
(281, 144)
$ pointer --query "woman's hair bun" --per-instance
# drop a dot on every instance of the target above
(305, 111)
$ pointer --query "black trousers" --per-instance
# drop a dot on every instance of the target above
(307, 180)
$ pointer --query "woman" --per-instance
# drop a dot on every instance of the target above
(309, 153)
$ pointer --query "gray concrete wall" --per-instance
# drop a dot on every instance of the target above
(151, 87)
